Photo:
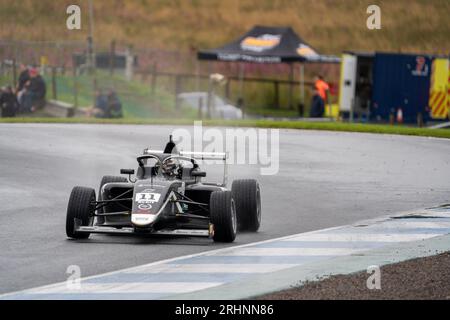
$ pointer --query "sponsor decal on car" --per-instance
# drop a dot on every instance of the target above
(144, 206)
(147, 197)
(142, 219)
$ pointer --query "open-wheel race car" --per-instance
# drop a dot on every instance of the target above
(166, 197)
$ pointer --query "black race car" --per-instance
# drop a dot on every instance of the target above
(166, 197)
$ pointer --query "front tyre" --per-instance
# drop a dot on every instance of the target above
(223, 216)
(247, 196)
(80, 207)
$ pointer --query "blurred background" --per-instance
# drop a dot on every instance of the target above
(145, 51)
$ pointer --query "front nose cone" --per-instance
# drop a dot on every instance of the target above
(142, 220)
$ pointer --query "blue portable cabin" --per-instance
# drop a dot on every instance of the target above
(401, 81)
(377, 85)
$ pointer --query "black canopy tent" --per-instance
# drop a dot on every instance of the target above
(267, 45)
(263, 44)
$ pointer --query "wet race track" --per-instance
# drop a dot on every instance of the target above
(325, 179)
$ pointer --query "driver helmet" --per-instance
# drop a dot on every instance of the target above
(170, 167)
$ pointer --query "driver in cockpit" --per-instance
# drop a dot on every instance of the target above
(171, 168)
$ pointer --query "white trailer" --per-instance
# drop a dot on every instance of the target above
(355, 85)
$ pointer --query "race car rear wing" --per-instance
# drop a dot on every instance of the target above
(205, 155)
(195, 155)
(219, 156)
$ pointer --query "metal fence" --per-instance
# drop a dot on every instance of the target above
(275, 86)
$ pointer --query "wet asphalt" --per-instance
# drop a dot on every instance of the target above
(325, 179)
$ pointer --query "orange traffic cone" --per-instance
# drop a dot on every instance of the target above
(399, 115)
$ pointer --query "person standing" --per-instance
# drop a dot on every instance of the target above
(24, 76)
(323, 87)
(114, 105)
(101, 109)
(38, 88)
(317, 105)
(35, 91)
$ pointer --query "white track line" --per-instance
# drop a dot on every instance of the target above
(144, 287)
(157, 263)
(290, 252)
(353, 237)
(158, 270)
(212, 268)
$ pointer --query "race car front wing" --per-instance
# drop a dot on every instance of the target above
(129, 230)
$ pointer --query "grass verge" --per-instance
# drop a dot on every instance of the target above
(328, 126)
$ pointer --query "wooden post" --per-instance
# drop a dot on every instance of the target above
(129, 63)
(291, 79)
(241, 80)
(209, 102)
(200, 108)
(90, 59)
(112, 57)
(420, 120)
(330, 108)
(14, 69)
(177, 91)
(302, 83)
(276, 100)
(55, 95)
(94, 89)
(352, 108)
(227, 89)
(197, 75)
(75, 87)
(71, 112)
(154, 76)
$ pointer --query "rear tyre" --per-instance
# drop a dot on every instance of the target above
(247, 197)
(105, 180)
(80, 207)
(223, 216)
